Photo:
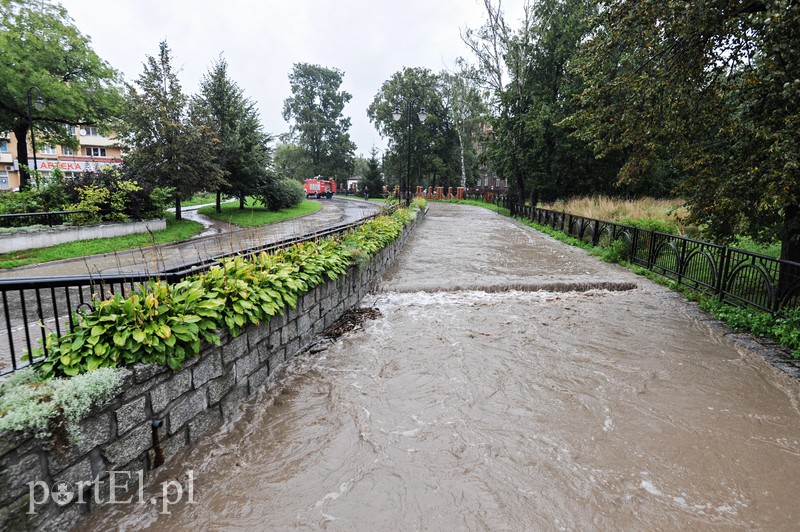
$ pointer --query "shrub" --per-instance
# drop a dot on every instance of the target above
(128, 197)
(282, 194)
(91, 199)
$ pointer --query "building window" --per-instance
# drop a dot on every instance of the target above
(3, 146)
(67, 151)
(93, 151)
(72, 130)
(3, 180)
(90, 131)
(48, 150)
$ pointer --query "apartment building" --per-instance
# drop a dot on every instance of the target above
(94, 151)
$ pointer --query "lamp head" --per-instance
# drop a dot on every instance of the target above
(39, 105)
(396, 114)
(422, 115)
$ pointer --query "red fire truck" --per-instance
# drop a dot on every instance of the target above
(319, 187)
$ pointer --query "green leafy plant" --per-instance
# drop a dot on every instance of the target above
(91, 198)
(282, 194)
(784, 330)
(160, 324)
(120, 197)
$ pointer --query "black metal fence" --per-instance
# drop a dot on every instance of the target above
(35, 307)
(50, 218)
(735, 276)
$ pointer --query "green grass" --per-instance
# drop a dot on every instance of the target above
(175, 232)
(255, 214)
(770, 250)
(202, 199)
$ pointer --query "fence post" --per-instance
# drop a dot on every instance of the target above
(724, 267)
(680, 261)
(651, 250)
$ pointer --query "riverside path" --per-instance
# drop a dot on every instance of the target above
(510, 383)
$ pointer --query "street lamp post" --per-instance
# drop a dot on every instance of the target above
(422, 115)
(39, 107)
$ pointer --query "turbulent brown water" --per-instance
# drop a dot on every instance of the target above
(504, 409)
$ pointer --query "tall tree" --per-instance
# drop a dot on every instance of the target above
(316, 110)
(432, 145)
(502, 53)
(241, 148)
(532, 91)
(293, 162)
(467, 110)
(164, 146)
(44, 54)
(710, 89)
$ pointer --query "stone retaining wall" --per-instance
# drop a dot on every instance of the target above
(157, 412)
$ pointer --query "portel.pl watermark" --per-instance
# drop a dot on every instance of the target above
(63, 493)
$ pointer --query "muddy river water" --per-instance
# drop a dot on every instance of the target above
(511, 383)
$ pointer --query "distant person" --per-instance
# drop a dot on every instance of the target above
(366, 193)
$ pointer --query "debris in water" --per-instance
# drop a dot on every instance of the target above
(351, 320)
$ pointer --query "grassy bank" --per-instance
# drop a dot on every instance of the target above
(175, 232)
(202, 199)
(255, 214)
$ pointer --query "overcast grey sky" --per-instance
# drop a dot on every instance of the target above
(262, 39)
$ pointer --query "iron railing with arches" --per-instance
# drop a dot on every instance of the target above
(735, 276)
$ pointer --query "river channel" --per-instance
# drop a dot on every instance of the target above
(510, 383)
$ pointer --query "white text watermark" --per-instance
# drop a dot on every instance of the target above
(107, 490)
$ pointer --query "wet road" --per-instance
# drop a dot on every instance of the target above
(479, 402)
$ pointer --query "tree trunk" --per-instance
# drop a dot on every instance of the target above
(178, 208)
(21, 133)
(463, 162)
(241, 201)
(519, 179)
(219, 202)
(789, 276)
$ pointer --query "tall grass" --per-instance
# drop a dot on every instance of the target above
(663, 215)
(666, 215)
